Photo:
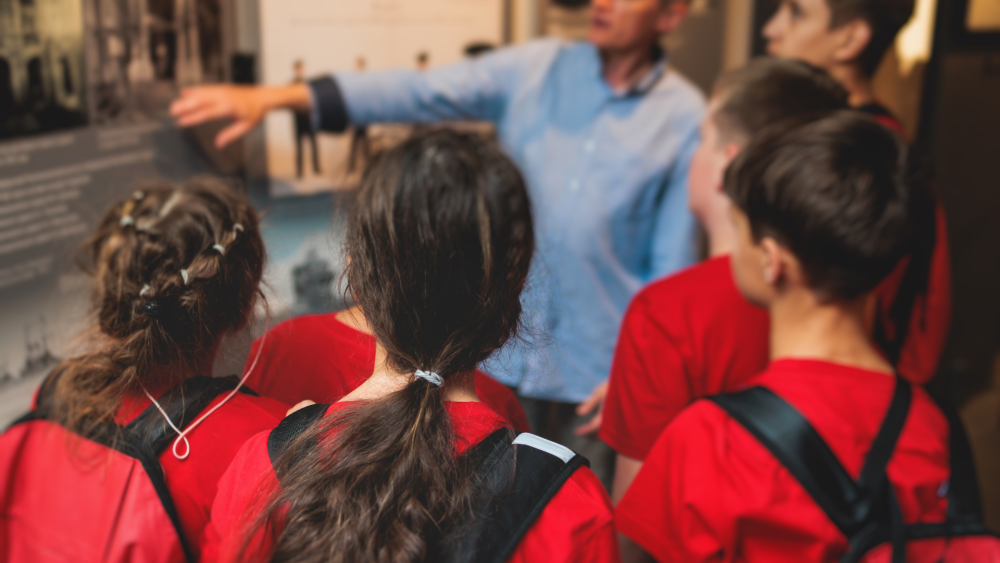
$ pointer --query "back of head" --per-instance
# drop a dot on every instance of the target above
(884, 17)
(174, 268)
(839, 192)
(440, 238)
(768, 90)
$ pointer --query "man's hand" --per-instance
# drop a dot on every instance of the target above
(595, 400)
(245, 105)
(299, 406)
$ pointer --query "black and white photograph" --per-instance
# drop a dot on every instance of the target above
(141, 52)
(41, 67)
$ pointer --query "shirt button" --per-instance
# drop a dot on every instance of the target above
(574, 185)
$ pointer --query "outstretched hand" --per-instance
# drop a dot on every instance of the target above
(594, 401)
(246, 106)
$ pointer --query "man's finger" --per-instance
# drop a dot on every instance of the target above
(592, 401)
(233, 132)
(590, 427)
(203, 114)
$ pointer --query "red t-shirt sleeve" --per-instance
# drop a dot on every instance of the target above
(576, 526)
(682, 504)
(502, 401)
(649, 383)
(243, 490)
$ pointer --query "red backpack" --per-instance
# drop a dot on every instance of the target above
(98, 498)
(866, 511)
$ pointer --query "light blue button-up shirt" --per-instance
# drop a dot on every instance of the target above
(607, 173)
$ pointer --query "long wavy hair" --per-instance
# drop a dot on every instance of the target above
(440, 238)
(174, 269)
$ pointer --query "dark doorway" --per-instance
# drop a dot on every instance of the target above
(6, 89)
(36, 84)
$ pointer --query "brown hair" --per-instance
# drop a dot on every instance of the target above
(163, 293)
(768, 90)
(440, 239)
(841, 192)
(884, 17)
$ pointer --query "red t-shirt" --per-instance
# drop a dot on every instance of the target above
(688, 336)
(576, 525)
(319, 358)
(925, 339)
(214, 443)
(709, 491)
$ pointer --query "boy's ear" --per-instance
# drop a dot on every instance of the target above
(772, 261)
(854, 38)
(671, 16)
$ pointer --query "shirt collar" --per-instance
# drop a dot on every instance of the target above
(644, 84)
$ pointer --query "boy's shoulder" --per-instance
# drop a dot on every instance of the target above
(704, 290)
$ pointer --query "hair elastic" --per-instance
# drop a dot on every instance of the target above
(184, 274)
(145, 288)
(429, 376)
(154, 309)
(182, 436)
(220, 248)
(126, 221)
(237, 227)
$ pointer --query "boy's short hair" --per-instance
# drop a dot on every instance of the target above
(839, 192)
(884, 17)
(768, 90)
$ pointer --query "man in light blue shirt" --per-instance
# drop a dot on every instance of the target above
(602, 130)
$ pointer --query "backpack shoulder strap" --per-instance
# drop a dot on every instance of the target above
(290, 428)
(183, 403)
(797, 446)
(517, 479)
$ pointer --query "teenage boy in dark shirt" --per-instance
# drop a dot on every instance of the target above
(908, 314)
(823, 210)
(692, 334)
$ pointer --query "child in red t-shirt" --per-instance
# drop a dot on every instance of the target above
(909, 312)
(692, 334)
(175, 268)
(322, 358)
(823, 210)
(440, 238)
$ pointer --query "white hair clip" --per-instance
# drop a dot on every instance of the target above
(145, 288)
(126, 221)
(429, 376)
(184, 274)
(237, 227)
(220, 248)
(138, 196)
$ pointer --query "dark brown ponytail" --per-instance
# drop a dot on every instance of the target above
(440, 238)
(174, 268)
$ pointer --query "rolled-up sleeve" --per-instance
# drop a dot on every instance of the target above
(473, 89)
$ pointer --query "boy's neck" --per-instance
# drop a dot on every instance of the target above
(857, 83)
(721, 235)
(804, 328)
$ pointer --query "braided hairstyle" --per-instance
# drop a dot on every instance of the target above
(174, 269)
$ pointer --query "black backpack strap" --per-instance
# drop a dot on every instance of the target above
(964, 501)
(290, 428)
(797, 446)
(149, 434)
(517, 479)
(183, 403)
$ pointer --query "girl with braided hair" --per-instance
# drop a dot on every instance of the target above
(174, 268)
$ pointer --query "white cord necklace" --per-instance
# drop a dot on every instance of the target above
(182, 436)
